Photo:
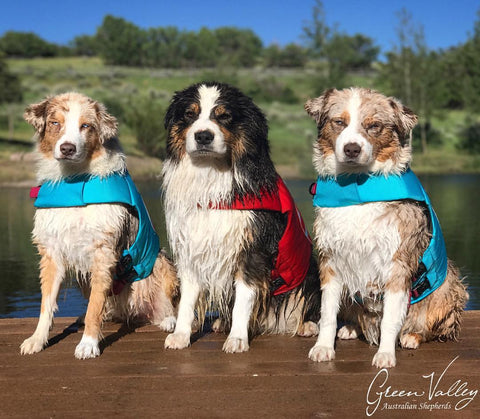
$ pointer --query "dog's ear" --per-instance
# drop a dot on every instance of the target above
(406, 120)
(107, 124)
(315, 107)
(36, 114)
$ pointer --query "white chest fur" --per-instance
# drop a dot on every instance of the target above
(360, 242)
(206, 243)
(71, 235)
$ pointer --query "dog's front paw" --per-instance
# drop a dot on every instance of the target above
(410, 340)
(321, 353)
(348, 332)
(307, 329)
(87, 348)
(235, 345)
(384, 360)
(32, 345)
(177, 341)
(168, 324)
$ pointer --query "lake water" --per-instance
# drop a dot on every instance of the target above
(456, 200)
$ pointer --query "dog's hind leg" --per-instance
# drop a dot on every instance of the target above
(51, 276)
(237, 340)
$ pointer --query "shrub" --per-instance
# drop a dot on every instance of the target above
(145, 117)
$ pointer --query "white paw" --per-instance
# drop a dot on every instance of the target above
(307, 329)
(235, 345)
(168, 324)
(32, 345)
(384, 360)
(410, 341)
(87, 348)
(348, 332)
(177, 341)
(321, 353)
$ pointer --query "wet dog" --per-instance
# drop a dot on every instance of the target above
(91, 223)
(380, 244)
(237, 238)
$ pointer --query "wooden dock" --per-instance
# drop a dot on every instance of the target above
(136, 378)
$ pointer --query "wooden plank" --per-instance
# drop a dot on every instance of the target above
(136, 377)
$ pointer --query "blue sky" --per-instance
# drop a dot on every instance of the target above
(446, 22)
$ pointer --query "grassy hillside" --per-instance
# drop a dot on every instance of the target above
(280, 93)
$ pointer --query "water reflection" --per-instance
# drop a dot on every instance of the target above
(455, 199)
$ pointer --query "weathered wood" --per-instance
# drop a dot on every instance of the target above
(136, 377)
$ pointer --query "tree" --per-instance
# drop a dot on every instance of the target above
(26, 45)
(292, 55)
(355, 52)
(316, 32)
(85, 45)
(410, 72)
(238, 47)
(10, 93)
(120, 42)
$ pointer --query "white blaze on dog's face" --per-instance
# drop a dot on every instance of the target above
(360, 130)
(351, 146)
(71, 128)
(205, 136)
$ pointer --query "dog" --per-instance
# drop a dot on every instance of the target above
(381, 249)
(228, 215)
(90, 222)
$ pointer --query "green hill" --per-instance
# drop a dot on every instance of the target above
(281, 94)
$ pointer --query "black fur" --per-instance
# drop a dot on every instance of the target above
(247, 121)
(249, 124)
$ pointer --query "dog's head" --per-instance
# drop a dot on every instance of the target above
(71, 128)
(214, 122)
(360, 130)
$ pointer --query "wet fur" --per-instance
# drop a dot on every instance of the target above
(223, 255)
(374, 249)
(86, 242)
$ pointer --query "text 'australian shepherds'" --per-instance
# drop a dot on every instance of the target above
(238, 241)
(91, 223)
(381, 249)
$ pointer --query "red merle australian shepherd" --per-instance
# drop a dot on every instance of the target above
(237, 238)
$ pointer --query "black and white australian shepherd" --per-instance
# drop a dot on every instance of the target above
(238, 241)
(91, 223)
(379, 241)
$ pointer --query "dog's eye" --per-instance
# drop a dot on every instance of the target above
(339, 122)
(224, 117)
(83, 126)
(375, 127)
(55, 123)
(189, 114)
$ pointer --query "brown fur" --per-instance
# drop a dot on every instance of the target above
(150, 299)
(387, 125)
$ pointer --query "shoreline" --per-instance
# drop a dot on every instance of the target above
(17, 170)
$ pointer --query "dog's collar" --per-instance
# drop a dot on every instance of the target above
(138, 260)
(347, 190)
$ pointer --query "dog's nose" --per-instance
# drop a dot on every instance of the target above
(67, 149)
(352, 150)
(204, 137)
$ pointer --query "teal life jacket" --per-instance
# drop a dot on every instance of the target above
(357, 189)
(78, 191)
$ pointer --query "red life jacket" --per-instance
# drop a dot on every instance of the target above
(295, 246)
